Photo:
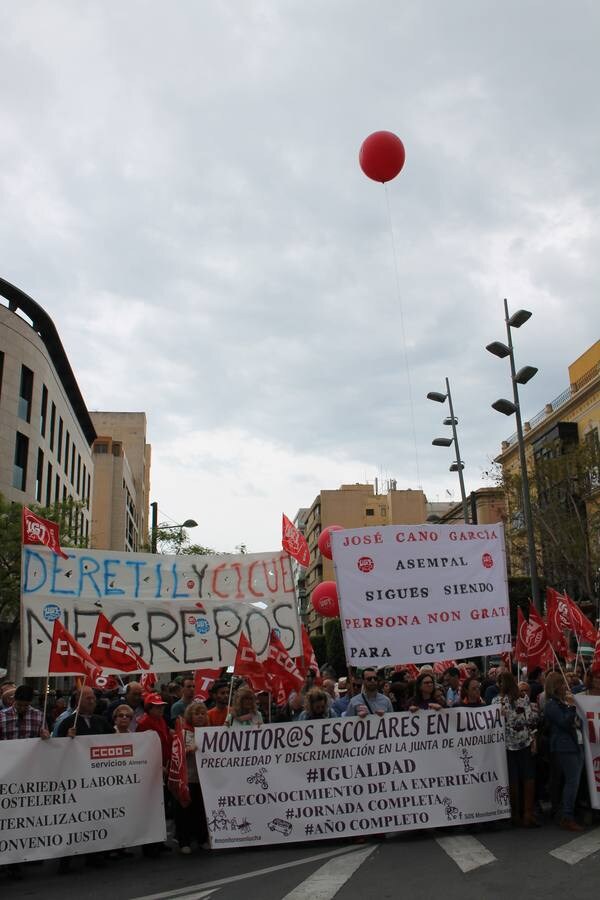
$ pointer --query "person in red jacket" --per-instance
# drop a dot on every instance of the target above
(154, 720)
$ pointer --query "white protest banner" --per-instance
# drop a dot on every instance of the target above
(66, 796)
(588, 708)
(418, 593)
(177, 612)
(350, 777)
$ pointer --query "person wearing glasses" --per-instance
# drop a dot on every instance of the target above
(369, 701)
(122, 718)
(426, 694)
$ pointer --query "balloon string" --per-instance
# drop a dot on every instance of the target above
(403, 332)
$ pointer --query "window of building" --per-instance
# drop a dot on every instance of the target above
(370, 512)
(73, 463)
(67, 447)
(39, 475)
(87, 530)
(20, 464)
(52, 425)
(1, 370)
(57, 488)
(44, 410)
(87, 493)
(78, 472)
(49, 485)
(60, 437)
(100, 448)
(25, 394)
(383, 510)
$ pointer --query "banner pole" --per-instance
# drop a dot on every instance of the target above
(78, 705)
(559, 666)
(46, 701)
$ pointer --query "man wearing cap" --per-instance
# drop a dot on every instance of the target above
(154, 720)
(20, 720)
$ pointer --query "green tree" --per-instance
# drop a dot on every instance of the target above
(67, 516)
(334, 642)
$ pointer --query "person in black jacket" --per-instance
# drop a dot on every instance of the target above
(87, 721)
(560, 715)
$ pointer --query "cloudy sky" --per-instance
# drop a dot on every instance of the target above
(180, 189)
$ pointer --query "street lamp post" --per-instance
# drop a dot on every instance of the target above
(458, 465)
(189, 523)
(508, 408)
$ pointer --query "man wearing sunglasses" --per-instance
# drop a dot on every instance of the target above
(369, 701)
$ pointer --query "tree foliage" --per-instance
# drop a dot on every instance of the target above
(334, 643)
(565, 505)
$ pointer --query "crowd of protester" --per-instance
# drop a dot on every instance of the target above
(543, 733)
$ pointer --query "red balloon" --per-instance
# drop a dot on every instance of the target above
(324, 541)
(382, 156)
(325, 601)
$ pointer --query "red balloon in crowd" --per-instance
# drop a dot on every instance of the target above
(325, 601)
(325, 539)
(382, 156)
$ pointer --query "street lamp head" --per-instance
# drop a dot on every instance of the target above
(504, 406)
(436, 396)
(450, 421)
(525, 374)
(498, 349)
(442, 442)
(519, 318)
(455, 467)
(190, 523)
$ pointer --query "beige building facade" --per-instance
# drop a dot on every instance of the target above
(352, 506)
(121, 501)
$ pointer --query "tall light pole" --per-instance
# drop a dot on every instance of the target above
(458, 465)
(189, 523)
(497, 348)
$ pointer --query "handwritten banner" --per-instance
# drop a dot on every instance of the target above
(350, 777)
(63, 797)
(588, 707)
(177, 612)
(414, 593)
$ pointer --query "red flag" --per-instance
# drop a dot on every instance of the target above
(36, 530)
(178, 776)
(554, 623)
(538, 645)
(308, 660)
(102, 683)
(147, 681)
(294, 542)
(247, 665)
(203, 681)
(280, 664)
(413, 671)
(67, 657)
(521, 641)
(580, 624)
(440, 667)
(111, 651)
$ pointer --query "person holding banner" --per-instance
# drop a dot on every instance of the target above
(154, 720)
(122, 719)
(244, 710)
(190, 821)
(317, 706)
(84, 720)
(20, 720)
(592, 683)
(566, 744)
(520, 729)
(470, 693)
(369, 701)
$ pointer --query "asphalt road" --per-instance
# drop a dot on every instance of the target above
(454, 863)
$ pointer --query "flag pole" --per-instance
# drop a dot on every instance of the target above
(46, 700)
(560, 667)
(78, 705)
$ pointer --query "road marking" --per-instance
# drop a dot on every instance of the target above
(576, 850)
(467, 852)
(196, 895)
(330, 878)
(181, 892)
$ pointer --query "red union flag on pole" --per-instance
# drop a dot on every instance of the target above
(308, 660)
(178, 776)
(294, 542)
(148, 680)
(538, 645)
(580, 624)
(67, 657)
(203, 681)
(280, 664)
(247, 665)
(555, 622)
(111, 651)
(41, 531)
